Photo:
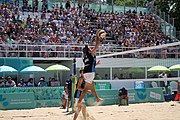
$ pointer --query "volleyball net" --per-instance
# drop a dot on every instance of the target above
(170, 50)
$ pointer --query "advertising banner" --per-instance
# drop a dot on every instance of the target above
(135, 96)
(146, 95)
(17, 100)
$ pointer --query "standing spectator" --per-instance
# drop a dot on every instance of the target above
(10, 82)
(79, 9)
(21, 83)
(68, 89)
(165, 82)
(86, 6)
(67, 5)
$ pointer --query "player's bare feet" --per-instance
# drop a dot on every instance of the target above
(99, 100)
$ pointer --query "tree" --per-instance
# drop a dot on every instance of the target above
(129, 2)
(171, 7)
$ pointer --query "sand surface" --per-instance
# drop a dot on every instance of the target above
(143, 111)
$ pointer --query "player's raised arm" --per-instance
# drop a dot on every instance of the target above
(100, 35)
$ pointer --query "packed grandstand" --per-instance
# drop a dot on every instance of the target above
(51, 32)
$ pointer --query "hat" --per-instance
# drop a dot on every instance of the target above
(41, 79)
(9, 77)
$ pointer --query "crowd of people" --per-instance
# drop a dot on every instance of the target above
(65, 25)
(13, 82)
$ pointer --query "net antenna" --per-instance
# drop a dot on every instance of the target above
(139, 50)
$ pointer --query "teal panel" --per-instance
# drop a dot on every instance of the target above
(146, 95)
(40, 93)
(44, 96)
(110, 97)
(135, 96)
(17, 100)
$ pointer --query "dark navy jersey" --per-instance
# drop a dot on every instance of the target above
(69, 84)
(89, 62)
(78, 92)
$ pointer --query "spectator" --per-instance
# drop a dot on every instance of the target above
(21, 83)
(10, 82)
(123, 94)
(121, 76)
(67, 5)
(105, 77)
(64, 98)
(49, 82)
(30, 82)
(115, 77)
(165, 82)
(68, 88)
(129, 29)
(97, 77)
(2, 82)
(42, 82)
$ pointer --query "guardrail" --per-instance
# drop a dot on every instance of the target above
(69, 51)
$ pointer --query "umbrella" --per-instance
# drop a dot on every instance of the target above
(32, 69)
(6, 69)
(175, 68)
(158, 68)
(57, 68)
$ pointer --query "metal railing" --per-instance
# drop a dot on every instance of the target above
(69, 51)
(167, 24)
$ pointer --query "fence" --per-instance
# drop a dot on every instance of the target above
(167, 24)
(70, 51)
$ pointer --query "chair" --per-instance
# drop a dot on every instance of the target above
(154, 84)
(173, 86)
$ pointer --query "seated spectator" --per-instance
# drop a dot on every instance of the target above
(115, 77)
(2, 82)
(42, 82)
(10, 82)
(123, 94)
(21, 83)
(49, 82)
(97, 77)
(30, 83)
(105, 77)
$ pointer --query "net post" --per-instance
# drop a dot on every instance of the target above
(73, 84)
